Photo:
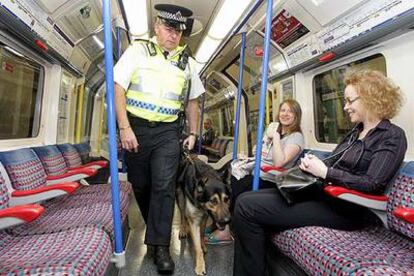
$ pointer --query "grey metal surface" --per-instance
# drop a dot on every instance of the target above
(219, 258)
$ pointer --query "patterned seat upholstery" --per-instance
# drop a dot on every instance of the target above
(54, 164)
(52, 160)
(4, 194)
(91, 205)
(79, 251)
(83, 149)
(57, 218)
(97, 196)
(24, 168)
(370, 251)
(71, 155)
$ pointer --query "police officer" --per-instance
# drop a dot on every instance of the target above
(151, 79)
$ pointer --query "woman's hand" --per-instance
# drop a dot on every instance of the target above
(312, 164)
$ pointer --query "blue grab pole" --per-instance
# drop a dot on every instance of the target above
(239, 94)
(263, 92)
(201, 123)
(109, 65)
(118, 56)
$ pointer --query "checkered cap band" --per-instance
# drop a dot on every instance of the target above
(172, 16)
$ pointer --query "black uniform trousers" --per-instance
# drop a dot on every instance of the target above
(257, 214)
(152, 172)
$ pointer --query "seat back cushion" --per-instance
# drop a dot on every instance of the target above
(83, 149)
(71, 155)
(24, 168)
(402, 195)
(52, 160)
(4, 194)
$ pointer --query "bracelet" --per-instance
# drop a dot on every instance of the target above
(123, 128)
(193, 134)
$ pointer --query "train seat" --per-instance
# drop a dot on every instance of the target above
(91, 205)
(55, 167)
(77, 251)
(26, 178)
(68, 212)
(84, 150)
(62, 217)
(218, 149)
(73, 158)
(371, 251)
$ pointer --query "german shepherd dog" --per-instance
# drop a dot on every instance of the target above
(201, 193)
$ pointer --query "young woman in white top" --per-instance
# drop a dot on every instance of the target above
(283, 143)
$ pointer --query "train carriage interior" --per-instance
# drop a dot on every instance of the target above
(67, 205)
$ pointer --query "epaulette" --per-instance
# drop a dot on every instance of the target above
(149, 44)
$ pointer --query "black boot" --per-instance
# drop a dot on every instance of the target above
(162, 259)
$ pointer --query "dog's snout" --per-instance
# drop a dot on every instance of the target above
(224, 221)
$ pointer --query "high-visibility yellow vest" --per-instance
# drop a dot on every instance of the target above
(158, 87)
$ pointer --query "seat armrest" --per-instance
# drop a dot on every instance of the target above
(19, 214)
(97, 164)
(72, 175)
(222, 162)
(270, 169)
(20, 197)
(377, 202)
(203, 158)
(404, 213)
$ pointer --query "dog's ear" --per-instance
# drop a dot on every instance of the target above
(200, 189)
(201, 183)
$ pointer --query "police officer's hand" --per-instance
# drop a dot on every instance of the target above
(128, 139)
(189, 142)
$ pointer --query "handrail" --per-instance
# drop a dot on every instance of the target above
(119, 255)
(239, 94)
(263, 93)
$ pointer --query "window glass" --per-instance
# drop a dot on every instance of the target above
(67, 87)
(227, 114)
(253, 63)
(87, 114)
(331, 121)
(21, 81)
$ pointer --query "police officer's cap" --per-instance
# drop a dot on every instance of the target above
(173, 16)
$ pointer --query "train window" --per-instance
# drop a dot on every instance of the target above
(67, 90)
(331, 122)
(227, 117)
(21, 81)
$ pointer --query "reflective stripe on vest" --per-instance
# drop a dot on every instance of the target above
(157, 87)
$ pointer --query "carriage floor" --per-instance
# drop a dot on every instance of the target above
(219, 258)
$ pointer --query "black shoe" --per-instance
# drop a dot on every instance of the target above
(162, 259)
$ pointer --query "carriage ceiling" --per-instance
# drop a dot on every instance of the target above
(79, 19)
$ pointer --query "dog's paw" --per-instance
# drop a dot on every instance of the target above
(183, 232)
(200, 270)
